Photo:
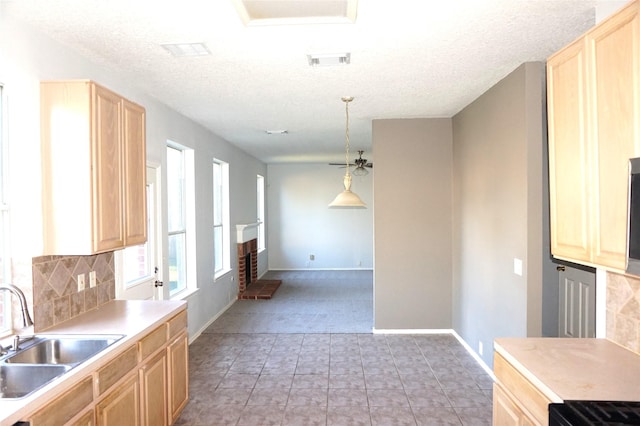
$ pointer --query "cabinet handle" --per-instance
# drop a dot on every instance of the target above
(560, 268)
(158, 283)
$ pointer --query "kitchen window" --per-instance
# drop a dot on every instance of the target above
(221, 244)
(180, 217)
(5, 256)
(261, 226)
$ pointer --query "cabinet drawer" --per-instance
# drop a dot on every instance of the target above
(153, 341)
(64, 408)
(177, 324)
(526, 394)
(116, 369)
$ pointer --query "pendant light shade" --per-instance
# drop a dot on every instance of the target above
(347, 198)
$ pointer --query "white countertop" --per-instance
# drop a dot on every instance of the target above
(133, 318)
(575, 369)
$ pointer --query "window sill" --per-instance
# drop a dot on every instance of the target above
(221, 274)
(184, 294)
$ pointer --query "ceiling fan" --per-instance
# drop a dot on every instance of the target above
(360, 164)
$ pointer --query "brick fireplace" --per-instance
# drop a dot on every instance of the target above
(247, 264)
(249, 286)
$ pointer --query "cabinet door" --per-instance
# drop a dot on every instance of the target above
(121, 406)
(178, 357)
(135, 187)
(614, 93)
(568, 154)
(106, 157)
(505, 412)
(153, 381)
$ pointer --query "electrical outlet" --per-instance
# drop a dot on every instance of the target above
(480, 348)
(92, 279)
(312, 257)
(80, 282)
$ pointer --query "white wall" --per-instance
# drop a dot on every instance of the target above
(301, 223)
(26, 58)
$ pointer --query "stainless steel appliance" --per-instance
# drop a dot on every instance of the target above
(633, 218)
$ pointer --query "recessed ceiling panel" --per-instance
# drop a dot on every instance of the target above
(283, 12)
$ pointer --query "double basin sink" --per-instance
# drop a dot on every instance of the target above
(42, 358)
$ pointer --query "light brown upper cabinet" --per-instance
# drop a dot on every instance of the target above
(93, 156)
(593, 95)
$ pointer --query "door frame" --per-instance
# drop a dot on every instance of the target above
(153, 171)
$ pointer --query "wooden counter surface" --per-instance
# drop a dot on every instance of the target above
(133, 318)
(575, 369)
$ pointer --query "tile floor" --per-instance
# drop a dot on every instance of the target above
(308, 357)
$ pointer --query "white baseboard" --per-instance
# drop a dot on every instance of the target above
(479, 360)
(215, 317)
(464, 344)
(320, 269)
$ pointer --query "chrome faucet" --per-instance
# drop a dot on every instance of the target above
(26, 318)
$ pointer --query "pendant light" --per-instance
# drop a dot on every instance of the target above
(347, 198)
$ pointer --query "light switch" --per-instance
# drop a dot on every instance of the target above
(517, 266)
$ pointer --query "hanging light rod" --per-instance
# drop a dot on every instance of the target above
(347, 198)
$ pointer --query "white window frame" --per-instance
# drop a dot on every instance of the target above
(262, 242)
(223, 223)
(188, 229)
(5, 248)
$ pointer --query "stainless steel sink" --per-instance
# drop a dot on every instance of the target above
(19, 380)
(68, 350)
(42, 358)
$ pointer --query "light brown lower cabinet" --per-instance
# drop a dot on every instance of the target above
(505, 411)
(65, 407)
(86, 419)
(147, 384)
(178, 355)
(121, 407)
(516, 401)
(153, 380)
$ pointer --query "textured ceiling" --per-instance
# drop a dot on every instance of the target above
(409, 58)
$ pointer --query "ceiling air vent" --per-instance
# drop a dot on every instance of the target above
(283, 12)
(187, 49)
(330, 59)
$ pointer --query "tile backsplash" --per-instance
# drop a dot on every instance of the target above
(623, 310)
(55, 286)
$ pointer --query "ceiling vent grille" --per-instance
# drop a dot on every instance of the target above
(331, 59)
(186, 49)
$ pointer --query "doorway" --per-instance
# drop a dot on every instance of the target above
(138, 268)
(577, 298)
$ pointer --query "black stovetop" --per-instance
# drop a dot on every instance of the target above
(588, 413)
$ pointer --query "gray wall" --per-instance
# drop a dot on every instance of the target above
(412, 223)
(499, 142)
